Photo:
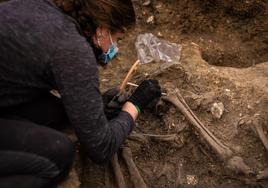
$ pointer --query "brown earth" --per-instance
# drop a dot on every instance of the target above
(225, 47)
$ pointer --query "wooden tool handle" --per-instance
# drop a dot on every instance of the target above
(129, 76)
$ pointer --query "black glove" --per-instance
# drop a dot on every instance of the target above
(111, 108)
(147, 91)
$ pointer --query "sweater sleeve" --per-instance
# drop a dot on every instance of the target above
(76, 74)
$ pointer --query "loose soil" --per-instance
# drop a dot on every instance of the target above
(224, 50)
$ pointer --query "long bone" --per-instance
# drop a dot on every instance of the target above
(259, 129)
(224, 152)
(261, 135)
(170, 138)
(135, 176)
(117, 172)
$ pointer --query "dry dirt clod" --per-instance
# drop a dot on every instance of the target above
(135, 175)
(117, 172)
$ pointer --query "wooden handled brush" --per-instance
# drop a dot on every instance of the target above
(128, 77)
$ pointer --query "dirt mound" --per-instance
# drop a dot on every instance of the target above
(230, 33)
(242, 9)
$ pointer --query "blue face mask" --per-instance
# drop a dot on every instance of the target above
(112, 51)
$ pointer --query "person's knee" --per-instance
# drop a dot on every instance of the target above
(63, 153)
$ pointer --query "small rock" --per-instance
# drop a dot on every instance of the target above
(146, 3)
(105, 80)
(159, 34)
(194, 44)
(217, 109)
(238, 149)
(241, 122)
(158, 6)
(150, 20)
(249, 107)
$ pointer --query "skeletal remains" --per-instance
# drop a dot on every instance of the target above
(225, 154)
(136, 177)
(259, 130)
(118, 173)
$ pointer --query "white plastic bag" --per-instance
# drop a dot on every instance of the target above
(150, 48)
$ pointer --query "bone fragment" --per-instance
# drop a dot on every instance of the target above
(238, 165)
(259, 129)
(165, 172)
(260, 132)
(118, 173)
(263, 174)
(172, 138)
(138, 137)
(168, 137)
(135, 176)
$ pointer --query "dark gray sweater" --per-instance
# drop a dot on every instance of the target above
(41, 49)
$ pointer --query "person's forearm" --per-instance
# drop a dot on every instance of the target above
(131, 109)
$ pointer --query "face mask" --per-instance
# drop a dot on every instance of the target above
(112, 51)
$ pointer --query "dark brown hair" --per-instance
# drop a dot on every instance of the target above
(116, 15)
